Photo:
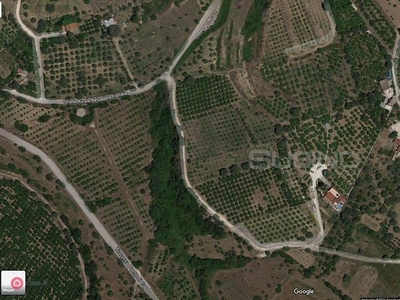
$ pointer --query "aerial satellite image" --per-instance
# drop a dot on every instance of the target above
(200, 149)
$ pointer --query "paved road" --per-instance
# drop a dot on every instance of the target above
(81, 203)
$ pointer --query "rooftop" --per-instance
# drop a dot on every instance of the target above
(109, 22)
(335, 198)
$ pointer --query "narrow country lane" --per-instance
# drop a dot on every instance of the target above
(238, 229)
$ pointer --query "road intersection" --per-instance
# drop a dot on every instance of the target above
(239, 229)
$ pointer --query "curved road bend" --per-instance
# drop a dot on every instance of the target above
(203, 23)
(239, 230)
(36, 40)
(92, 217)
(172, 87)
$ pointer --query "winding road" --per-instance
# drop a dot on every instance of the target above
(240, 230)
(36, 39)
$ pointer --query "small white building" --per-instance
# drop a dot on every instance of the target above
(109, 22)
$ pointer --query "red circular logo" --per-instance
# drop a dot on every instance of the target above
(17, 283)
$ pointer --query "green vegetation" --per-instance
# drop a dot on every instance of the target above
(32, 242)
(73, 64)
(198, 96)
(21, 126)
(221, 19)
(170, 197)
(18, 54)
(248, 49)
(378, 21)
(254, 20)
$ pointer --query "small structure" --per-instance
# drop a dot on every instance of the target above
(387, 90)
(23, 73)
(389, 74)
(73, 27)
(109, 22)
(392, 101)
(81, 112)
(396, 146)
(335, 199)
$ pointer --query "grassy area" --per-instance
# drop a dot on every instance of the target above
(254, 21)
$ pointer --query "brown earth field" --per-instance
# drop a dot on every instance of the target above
(366, 280)
(37, 9)
(208, 247)
(259, 277)
(362, 278)
(297, 281)
(391, 9)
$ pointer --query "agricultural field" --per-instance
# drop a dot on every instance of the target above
(83, 65)
(334, 137)
(150, 48)
(251, 280)
(35, 13)
(131, 148)
(221, 170)
(391, 9)
(373, 209)
(378, 21)
(38, 246)
(311, 83)
(198, 96)
(357, 279)
(80, 153)
(117, 282)
(292, 23)
(221, 49)
(267, 202)
(18, 54)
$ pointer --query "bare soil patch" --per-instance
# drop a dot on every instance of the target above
(259, 277)
(297, 281)
(208, 247)
(373, 222)
(301, 256)
(391, 9)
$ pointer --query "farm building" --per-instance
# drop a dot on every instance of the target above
(109, 22)
(335, 199)
(387, 90)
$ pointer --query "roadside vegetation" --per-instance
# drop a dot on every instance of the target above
(253, 26)
(18, 54)
(171, 198)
